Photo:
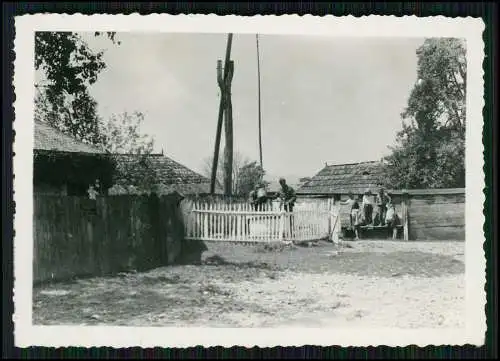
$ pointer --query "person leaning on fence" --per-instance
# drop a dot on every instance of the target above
(94, 190)
(258, 196)
(287, 195)
(353, 213)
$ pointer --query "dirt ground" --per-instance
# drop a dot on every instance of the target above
(363, 283)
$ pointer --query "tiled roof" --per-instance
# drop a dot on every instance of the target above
(50, 138)
(345, 178)
(172, 175)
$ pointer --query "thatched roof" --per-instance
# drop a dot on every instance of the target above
(169, 175)
(48, 138)
(345, 178)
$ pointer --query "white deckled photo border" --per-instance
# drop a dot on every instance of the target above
(26, 334)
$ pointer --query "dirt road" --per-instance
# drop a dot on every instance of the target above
(368, 283)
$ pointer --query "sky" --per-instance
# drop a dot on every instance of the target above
(324, 99)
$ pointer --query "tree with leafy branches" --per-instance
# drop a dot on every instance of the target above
(238, 161)
(69, 67)
(122, 138)
(246, 174)
(250, 174)
(121, 133)
(430, 148)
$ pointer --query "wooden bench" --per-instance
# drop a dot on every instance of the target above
(372, 227)
(377, 227)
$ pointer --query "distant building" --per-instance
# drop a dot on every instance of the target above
(303, 181)
(274, 187)
(338, 180)
(63, 165)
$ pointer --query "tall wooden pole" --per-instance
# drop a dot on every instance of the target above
(221, 111)
(260, 114)
(228, 134)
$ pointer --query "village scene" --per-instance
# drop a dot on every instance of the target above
(239, 180)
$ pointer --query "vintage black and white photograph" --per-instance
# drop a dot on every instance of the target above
(230, 179)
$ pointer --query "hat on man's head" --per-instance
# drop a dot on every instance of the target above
(368, 191)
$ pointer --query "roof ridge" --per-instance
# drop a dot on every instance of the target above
(355, 163)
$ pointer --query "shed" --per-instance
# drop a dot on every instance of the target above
(337, 180)
(64, 165)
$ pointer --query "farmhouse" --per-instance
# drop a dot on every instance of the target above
(432, 214)
(63, 165)
(166, 175)
(336, 181)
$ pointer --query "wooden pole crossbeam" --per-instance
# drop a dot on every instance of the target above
(222, 107)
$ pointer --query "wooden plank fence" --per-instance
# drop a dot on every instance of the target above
(76, 236)
(240, 222)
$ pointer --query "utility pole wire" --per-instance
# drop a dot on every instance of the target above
(259, 102)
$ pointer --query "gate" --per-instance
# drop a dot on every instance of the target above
(242, 223)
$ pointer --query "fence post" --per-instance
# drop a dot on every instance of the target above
(405, 215)
(334, 217)
(205, 221)
(282, 225)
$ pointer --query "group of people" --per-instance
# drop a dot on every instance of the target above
(377, 210)
(363, 214)
(286, 195)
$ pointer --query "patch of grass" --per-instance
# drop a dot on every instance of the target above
(395, 264)
(274, 247)
(217, 260)
(153, 280)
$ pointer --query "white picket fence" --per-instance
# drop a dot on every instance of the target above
(242, 223)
